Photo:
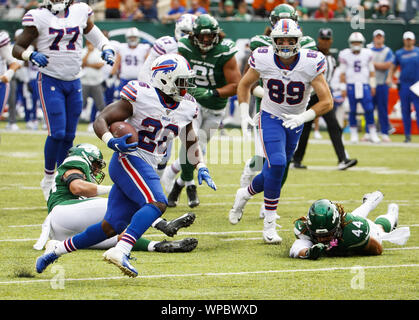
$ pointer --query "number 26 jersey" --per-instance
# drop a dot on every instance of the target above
(286, 88)
(60, 38)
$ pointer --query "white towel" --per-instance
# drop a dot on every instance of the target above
(43, 238)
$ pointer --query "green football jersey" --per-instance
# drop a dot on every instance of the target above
(208, 68)
(61, 192)
(355, 235)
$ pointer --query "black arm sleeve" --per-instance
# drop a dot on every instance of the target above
(74, 176)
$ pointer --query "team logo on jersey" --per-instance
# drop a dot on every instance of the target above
(166, 66)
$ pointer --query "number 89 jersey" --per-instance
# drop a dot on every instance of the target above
(286, 89)
(156, 121)
(60, 38)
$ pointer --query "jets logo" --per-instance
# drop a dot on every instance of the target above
(166, 66)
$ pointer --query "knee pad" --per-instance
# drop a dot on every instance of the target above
(278, 159)
(58, 135)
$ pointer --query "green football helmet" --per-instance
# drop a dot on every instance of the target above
(94, 158)
(283, 11)
(307, 42)
(323, 221)
(205, 32)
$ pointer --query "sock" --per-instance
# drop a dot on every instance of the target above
(180, 182)
(362, 211)
(91, 236)
(190, 183)
(270, 208)
(51, 150)
(256, 186)
(63, 151)
(142, 244)
(140, 222)
(49, 175)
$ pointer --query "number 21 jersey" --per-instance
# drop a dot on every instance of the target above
(60, 38)
(286, 89)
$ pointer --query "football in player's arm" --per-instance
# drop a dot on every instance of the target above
(328, 230)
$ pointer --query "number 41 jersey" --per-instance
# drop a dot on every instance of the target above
(156, 121)
(286, 89)
(60, 38)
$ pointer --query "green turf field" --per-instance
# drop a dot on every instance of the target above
(231, 261)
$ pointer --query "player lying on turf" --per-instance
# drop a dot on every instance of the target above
(159, 111)
(329, 230)
(74, 205)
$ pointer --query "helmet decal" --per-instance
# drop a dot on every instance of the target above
(166, 66)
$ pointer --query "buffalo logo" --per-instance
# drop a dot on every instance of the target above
(165, 66)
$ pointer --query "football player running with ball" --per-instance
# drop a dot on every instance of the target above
(56, 30)
(159, 111)
(75, 204)
(289, 74)
(217, 75)
(329, 230)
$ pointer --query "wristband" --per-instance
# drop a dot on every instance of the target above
(373, 82)
(27, 54)
(106, 137)
(309, 115)
(200, 165)
(215, 93)
(9, 74)
(258, 92)
(103, 189)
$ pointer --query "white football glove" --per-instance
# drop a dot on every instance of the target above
(245, 117)
(295, 120)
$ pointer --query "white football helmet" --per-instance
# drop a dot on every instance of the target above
(172, 74)
(56, 6)
(356, 37)
(184, 25)
(132, 36)
(286, 28)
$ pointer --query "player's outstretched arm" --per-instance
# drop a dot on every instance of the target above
(78, 186)
(99, 41)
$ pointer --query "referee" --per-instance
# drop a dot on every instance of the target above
(324, 42)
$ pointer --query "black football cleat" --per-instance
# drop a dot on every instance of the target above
(173, 197)
(298, 165)
(184, 245)
(171, 228)
(192, 195)
(347, 164)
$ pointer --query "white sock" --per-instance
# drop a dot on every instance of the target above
(126, 243)
(180, 182)
(151, 245)
(362, 211)
(190, 183)
(270, 215)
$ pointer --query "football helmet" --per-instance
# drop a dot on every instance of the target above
(283, 11)
(205, 32)
(172, 74)
(93, 157)
(132, 36)
(307, 42)
(56, 6)
(356, 41)
(184, 25)
(286, 28)
(324, 221)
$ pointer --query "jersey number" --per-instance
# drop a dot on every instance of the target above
(60, 34)
(204, 76)
(293, 93)
(131, 60)
(358, 224)
(357, 66)
(146, 137)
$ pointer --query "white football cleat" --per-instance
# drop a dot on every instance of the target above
(262, 211)
(236, 213)
(247, 175)
(393, 209)
(374, 198)
(51, 245)
(270, 234)
(121, 260)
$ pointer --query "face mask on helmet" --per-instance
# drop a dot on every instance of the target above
(94, 158)
(133, 41)
(206, 40)
(286, 37)
(286, 47)
(356, 46)
(56, 6)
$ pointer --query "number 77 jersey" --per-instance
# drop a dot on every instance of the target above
(286, 88)
(60, 38)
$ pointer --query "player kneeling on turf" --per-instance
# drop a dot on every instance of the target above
(329, 230)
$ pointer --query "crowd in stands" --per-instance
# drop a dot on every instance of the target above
(167, 11)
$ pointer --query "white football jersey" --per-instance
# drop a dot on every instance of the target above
(157, 122)
(60, 38)
(286, 90)
(132, 59)
(4, 41)
(357, 66)
(161, 46)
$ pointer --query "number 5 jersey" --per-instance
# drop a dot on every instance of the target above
(286, 88)
(60, 38)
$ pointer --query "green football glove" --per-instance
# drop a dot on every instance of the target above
(315, 251)
(204, 93)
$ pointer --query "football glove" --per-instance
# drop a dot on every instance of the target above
(203, 174)
(314, 252)
(203, 93)
(38, 59)
(109, 56)
(295, 120)
(120, 144)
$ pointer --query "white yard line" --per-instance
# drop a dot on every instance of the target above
(212, 274)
